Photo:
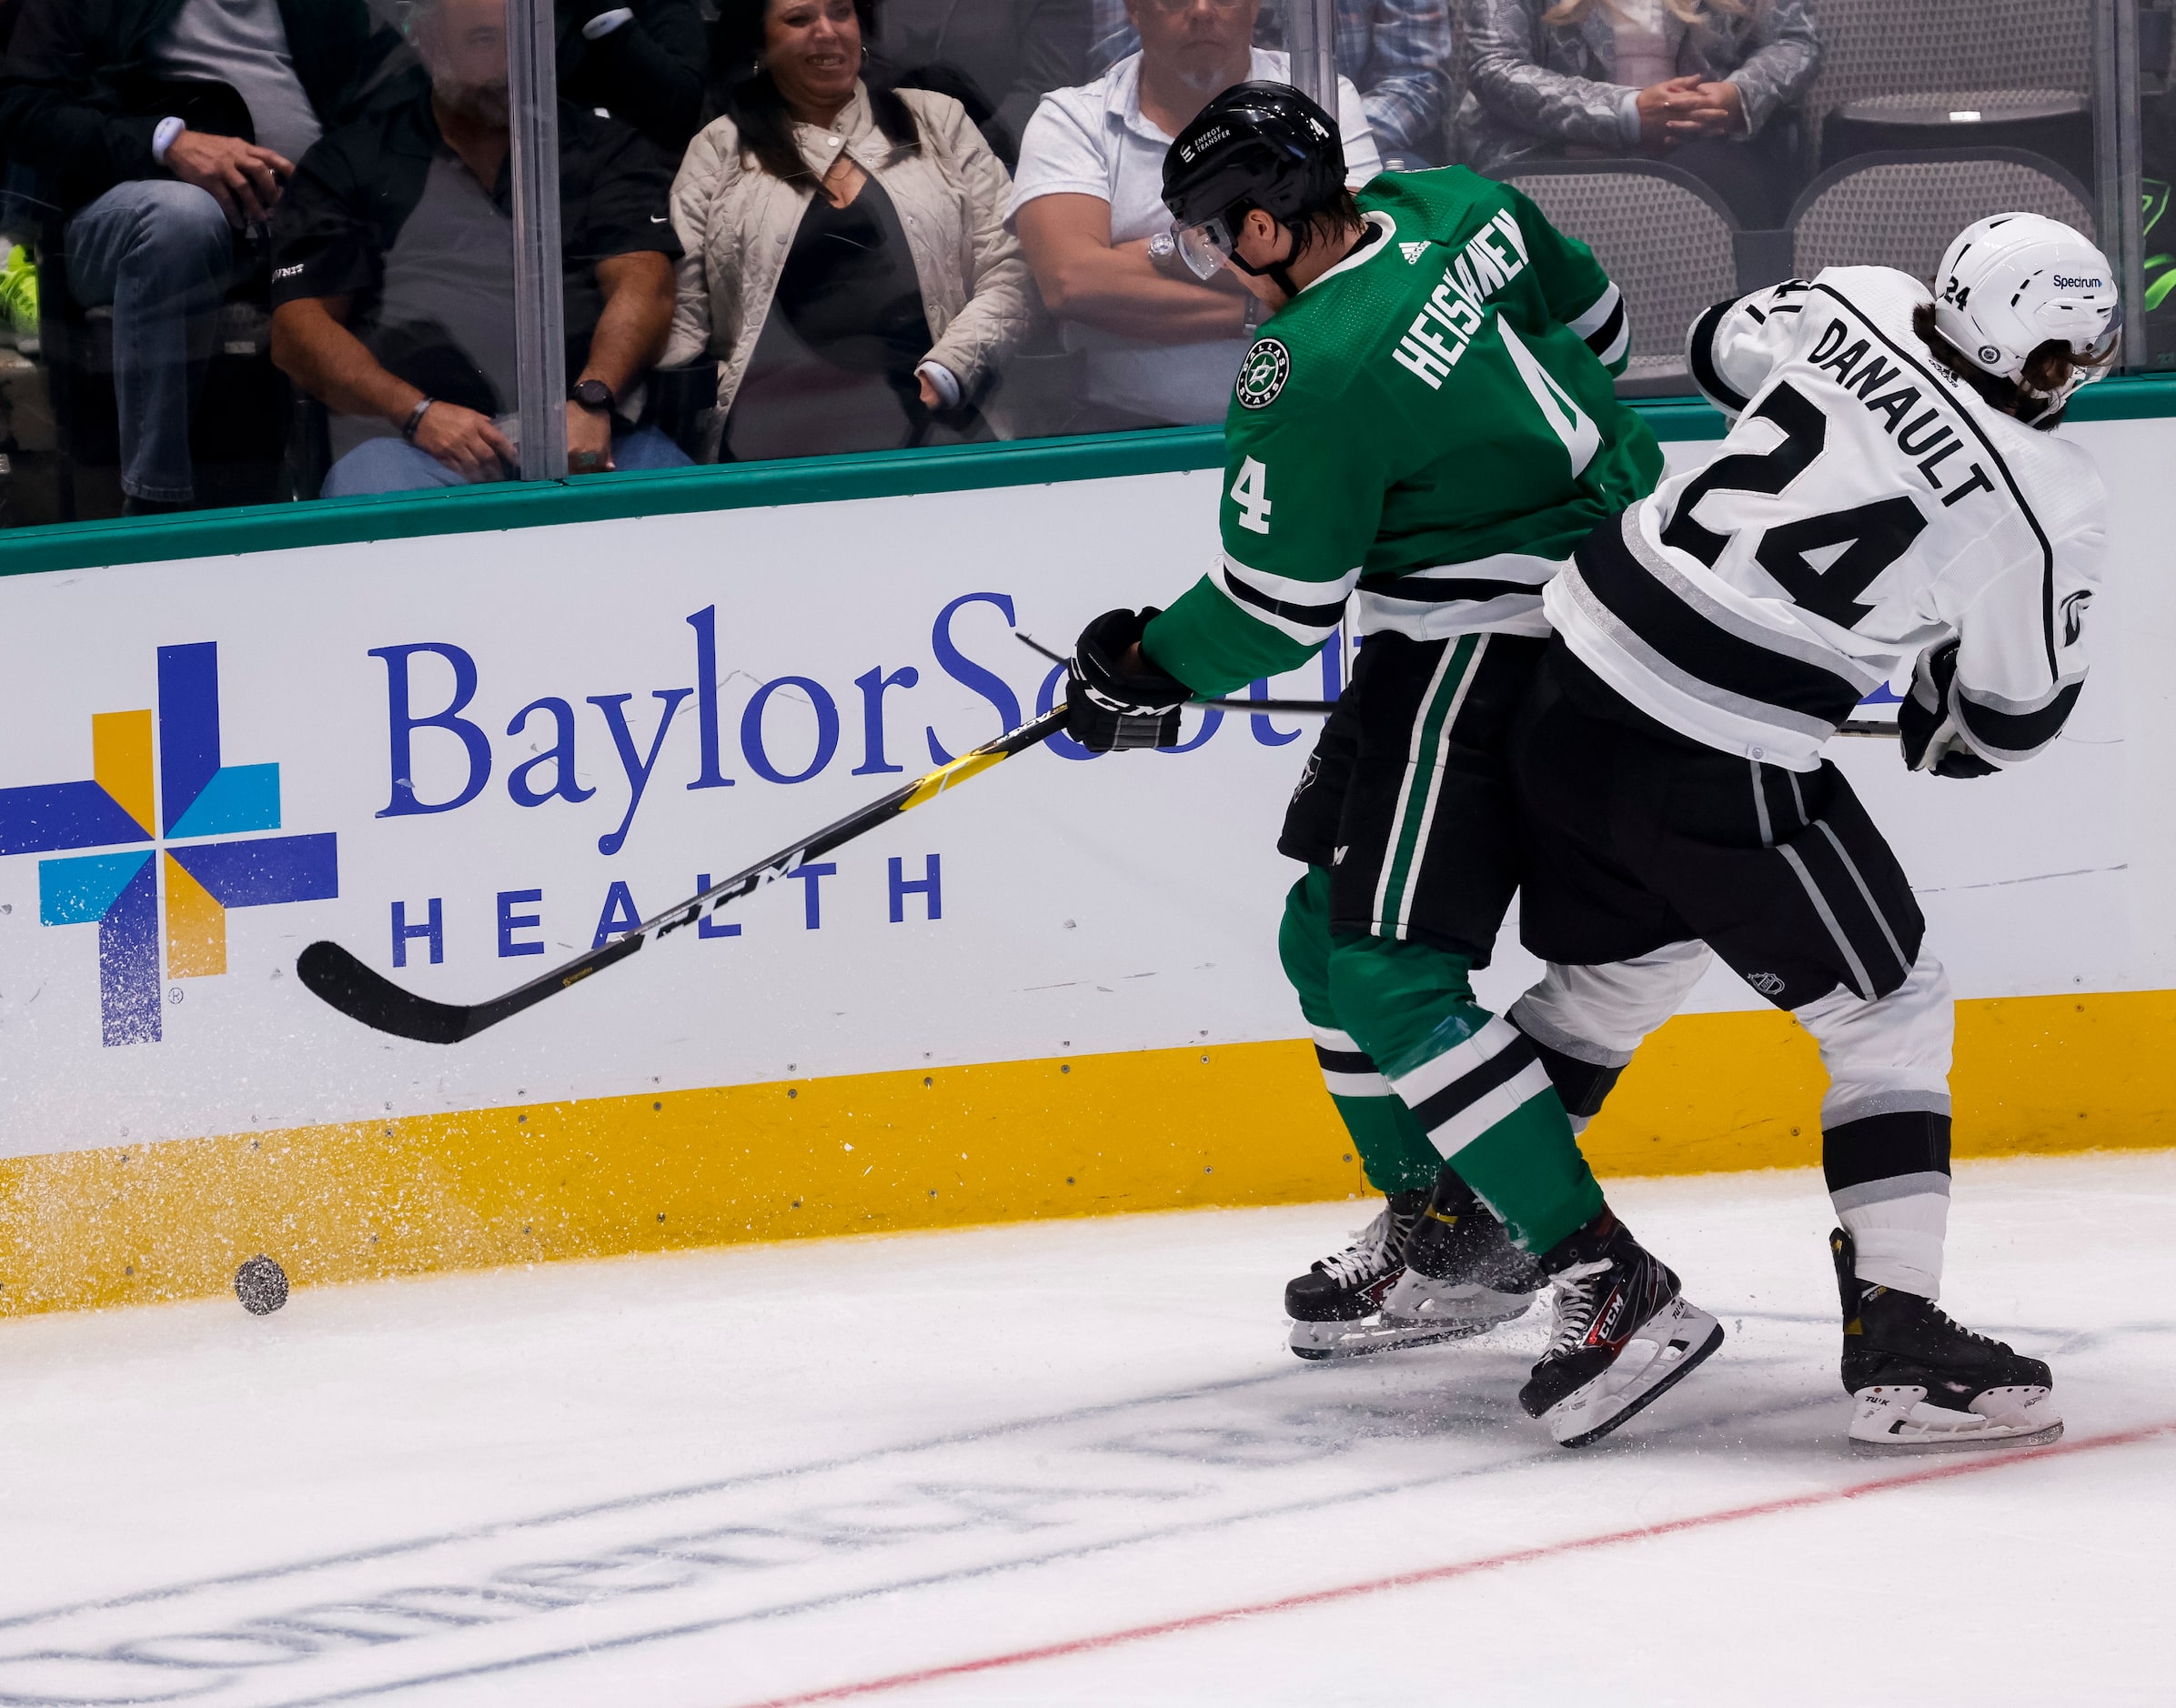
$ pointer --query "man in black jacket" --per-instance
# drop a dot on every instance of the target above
(393, 283)
(642, 61)
(162, 133)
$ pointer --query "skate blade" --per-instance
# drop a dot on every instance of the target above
(1683, 1336)
(1892, 1421)
(1359, 1339)
(1419, 1297)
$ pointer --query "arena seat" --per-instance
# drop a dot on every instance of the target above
(1666, 238)
(1900, 77)
(1900, 210)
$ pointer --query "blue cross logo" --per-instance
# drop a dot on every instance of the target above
(179, 822)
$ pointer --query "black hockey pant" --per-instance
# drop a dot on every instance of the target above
(1405, 819)
(1640, 839)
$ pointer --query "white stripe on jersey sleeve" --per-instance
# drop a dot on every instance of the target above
(1291, 589)
(1607, 315)
(1591, 321)
(1304, 611)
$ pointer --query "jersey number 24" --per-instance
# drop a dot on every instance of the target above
(1879, 533)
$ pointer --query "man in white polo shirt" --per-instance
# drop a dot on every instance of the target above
(1160, 347)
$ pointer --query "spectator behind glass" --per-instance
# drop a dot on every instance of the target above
(163, 133)
(847, 263)
(996, 57)
(1396, 52)
(643, 63)
(1701, 83)
(394, 275)
(1159, 348)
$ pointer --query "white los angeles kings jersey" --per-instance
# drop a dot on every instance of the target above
(1866, 506)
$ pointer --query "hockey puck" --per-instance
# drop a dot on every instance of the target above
(261, 1285)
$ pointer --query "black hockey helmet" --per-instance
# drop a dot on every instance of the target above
(1257, 145)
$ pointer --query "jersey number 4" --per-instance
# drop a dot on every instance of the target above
(1250, 492)
(1874, 536)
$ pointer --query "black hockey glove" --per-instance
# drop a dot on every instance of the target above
(1109, 706)
(1925, 728)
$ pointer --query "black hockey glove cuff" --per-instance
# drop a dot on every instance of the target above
(1108, 707)
(1925, 728)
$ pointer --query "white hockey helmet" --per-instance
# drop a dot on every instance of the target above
(2011, 282)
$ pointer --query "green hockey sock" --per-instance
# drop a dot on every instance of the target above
(1472, 1080)
(1391, 1145)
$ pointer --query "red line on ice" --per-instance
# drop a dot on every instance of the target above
(1994, 1460)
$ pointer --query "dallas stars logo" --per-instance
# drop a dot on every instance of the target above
(1262, 375)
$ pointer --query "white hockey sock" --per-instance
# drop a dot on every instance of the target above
(1897, 1226)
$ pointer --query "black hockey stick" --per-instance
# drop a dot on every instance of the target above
(1323, 707)
(336, 977)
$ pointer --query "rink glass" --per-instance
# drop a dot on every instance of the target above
(1916, 122)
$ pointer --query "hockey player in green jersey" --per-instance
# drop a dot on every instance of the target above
(1422, 431)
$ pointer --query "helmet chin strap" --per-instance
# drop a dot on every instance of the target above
(1275, 271)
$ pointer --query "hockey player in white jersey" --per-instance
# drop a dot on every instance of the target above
(1892, 497)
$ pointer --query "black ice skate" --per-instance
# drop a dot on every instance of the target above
(1337, 1306)
(1623, 1335)
(1923, 1384)
(1463, 1275)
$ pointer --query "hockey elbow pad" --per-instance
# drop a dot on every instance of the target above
(1109, 706)
(1701, 359)
(1926, 730)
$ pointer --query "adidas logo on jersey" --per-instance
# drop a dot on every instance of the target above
(1413, 252)
(1474, 276)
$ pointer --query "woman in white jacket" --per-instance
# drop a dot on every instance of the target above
(847, 264)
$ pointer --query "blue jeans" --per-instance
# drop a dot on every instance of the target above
(162, 253)
(395, 465)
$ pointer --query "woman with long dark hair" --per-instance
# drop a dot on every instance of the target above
(847, 265)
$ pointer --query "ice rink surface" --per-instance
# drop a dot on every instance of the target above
(1072, 1463)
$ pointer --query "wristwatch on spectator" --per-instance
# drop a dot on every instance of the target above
(163, 136)
(594, 394)
(1164, 255)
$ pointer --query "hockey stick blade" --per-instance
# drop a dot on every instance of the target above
(336, 978)
(340, 980)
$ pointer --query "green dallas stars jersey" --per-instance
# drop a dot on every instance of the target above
(1431, 422)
